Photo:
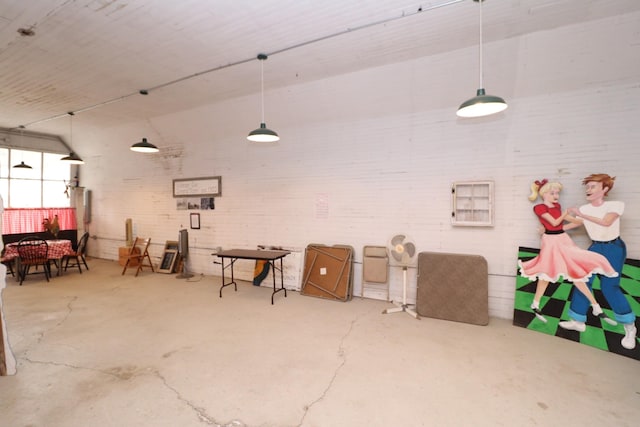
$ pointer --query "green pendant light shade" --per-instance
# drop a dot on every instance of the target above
(22, 165)
(73, 159)
(144, 146)
(262, 134)
(481, 104)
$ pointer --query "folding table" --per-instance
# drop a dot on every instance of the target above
(263, 255)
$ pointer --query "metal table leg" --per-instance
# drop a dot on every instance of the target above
(282, 288)
(232, 282)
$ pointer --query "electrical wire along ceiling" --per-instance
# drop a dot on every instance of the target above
(61, 56)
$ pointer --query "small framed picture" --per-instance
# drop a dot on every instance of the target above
(195, 221)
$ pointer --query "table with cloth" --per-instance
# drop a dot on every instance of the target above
(58, 249)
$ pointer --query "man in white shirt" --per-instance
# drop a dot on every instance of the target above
(601, 219)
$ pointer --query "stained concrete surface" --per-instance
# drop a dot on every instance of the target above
(102, 349)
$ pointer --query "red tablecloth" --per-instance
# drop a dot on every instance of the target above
(57, 249)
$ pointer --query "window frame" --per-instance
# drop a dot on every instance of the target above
(15, 182)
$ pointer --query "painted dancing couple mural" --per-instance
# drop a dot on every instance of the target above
(559, 258)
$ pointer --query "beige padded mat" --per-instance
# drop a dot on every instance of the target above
(453, 287)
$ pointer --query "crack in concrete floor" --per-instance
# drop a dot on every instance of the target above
(126, 373)
(343, 357)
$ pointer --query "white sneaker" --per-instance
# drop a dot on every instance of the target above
(597, 311)
(629, 340)
(573, 325)
(538, 314)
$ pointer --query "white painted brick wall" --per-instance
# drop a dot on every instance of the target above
(382, 147)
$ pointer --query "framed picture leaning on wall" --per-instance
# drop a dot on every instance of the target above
(168, 262)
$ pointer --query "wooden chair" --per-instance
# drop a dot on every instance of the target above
(8, 262)
(139, 252)
(78, 255)
(33, 252)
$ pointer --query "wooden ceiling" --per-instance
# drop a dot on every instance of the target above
(97, 55)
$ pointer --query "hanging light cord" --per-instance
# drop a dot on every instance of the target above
(243, 61)
(262, 86)
(480, 50)
(71, 113)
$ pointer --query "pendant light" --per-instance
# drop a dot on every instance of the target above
(262, 134)
(144, 146)
(22, 164)
(482, 104)
(72, 158)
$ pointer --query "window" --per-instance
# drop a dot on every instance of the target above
(472, 203)
(42, 186)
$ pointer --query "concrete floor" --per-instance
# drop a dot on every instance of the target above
(101, 349)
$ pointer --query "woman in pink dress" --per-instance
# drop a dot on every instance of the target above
(559, 256)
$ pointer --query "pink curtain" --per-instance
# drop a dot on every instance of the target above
(29, 220)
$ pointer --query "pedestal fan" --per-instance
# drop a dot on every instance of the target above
(402, 250)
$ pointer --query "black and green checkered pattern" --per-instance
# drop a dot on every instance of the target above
(555, 307)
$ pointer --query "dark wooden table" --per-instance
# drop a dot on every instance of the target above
(232, 255)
